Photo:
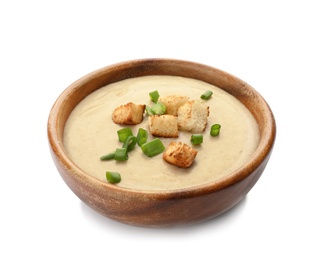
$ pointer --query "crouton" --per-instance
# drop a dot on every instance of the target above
(129, 114)
(172, 103)
(179, 154)
(163, 125)
(192, 116)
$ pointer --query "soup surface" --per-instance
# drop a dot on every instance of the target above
(90, 133)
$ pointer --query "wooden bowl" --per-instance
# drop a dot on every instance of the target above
(163, 208)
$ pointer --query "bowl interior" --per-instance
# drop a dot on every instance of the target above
(231, 84)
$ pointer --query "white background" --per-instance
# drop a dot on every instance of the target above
(272, 45)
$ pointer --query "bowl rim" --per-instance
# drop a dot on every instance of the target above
(262, 152)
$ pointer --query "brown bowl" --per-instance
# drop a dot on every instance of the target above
(163, 208)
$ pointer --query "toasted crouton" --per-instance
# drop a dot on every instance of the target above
(163, 125)
(129, 114)
(180, 154)
(192, 116)
(172, 103)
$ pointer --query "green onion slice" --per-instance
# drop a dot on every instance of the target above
(113, 177)
(149, 111)
(153, 147)
(197, 139)
(130, 143)
(215, 129)
(207, 94)
(158, 109)
(108, 156)
(154, 95)
(124, 133)
(142, 136)
(121, 154)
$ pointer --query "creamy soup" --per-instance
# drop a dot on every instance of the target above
(90, 133)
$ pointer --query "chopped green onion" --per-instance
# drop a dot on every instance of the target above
(158, 108)
(149, 111)
(113, 177)
(207, 94)
(215, 129)
(121, 154)
(108, 156)
(197, 139)
(142, 136)
(153, 147)
(154, 96)
(130, 143)
(124, 133)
